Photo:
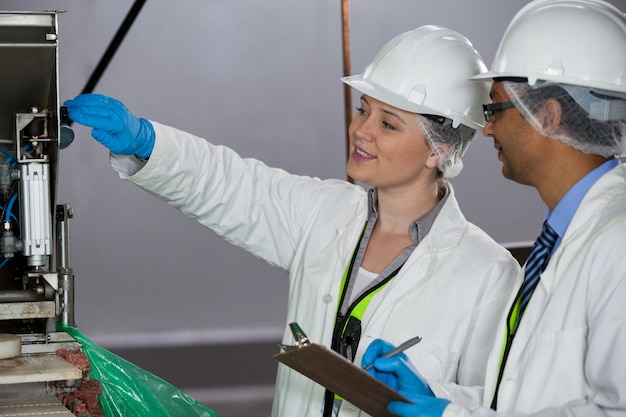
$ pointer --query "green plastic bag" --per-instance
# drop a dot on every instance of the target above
(128, 390)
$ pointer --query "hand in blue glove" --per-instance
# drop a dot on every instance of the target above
(113, 125)
(396, 372)
(422, 407)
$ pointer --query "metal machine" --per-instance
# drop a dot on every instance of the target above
(36, 280)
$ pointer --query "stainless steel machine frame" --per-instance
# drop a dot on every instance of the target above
(36, 279)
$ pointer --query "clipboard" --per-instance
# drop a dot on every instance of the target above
(338, 375)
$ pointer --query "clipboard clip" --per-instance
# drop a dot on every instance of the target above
(300, 337)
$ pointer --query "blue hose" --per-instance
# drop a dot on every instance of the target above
(9, 211)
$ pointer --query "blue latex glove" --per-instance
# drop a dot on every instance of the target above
(113, 124)
(396, 372)
(422, 407)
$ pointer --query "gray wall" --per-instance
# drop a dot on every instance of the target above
(263, 78)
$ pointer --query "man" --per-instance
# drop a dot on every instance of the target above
(558, 121)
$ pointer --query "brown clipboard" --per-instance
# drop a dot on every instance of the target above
(338, 375)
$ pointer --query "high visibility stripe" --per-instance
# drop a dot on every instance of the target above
(509, 333)
(358, 311)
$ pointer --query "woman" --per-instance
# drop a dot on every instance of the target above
(392, 262)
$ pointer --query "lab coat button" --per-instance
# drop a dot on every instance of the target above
(327, 299)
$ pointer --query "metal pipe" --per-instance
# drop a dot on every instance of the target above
(347, 93)
(66, 274)
(19, 296)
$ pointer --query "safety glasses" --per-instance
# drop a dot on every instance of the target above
(489, 109)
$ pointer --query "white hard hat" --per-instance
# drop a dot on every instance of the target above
(427, 70)
(575, 42)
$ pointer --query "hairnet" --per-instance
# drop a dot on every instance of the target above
(593, 121)
(448, 142)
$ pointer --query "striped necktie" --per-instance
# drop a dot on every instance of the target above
(537, 261)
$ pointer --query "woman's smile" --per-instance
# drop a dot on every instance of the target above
(360, 155)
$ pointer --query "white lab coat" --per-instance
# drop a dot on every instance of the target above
(451, 291)
(567, 358)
